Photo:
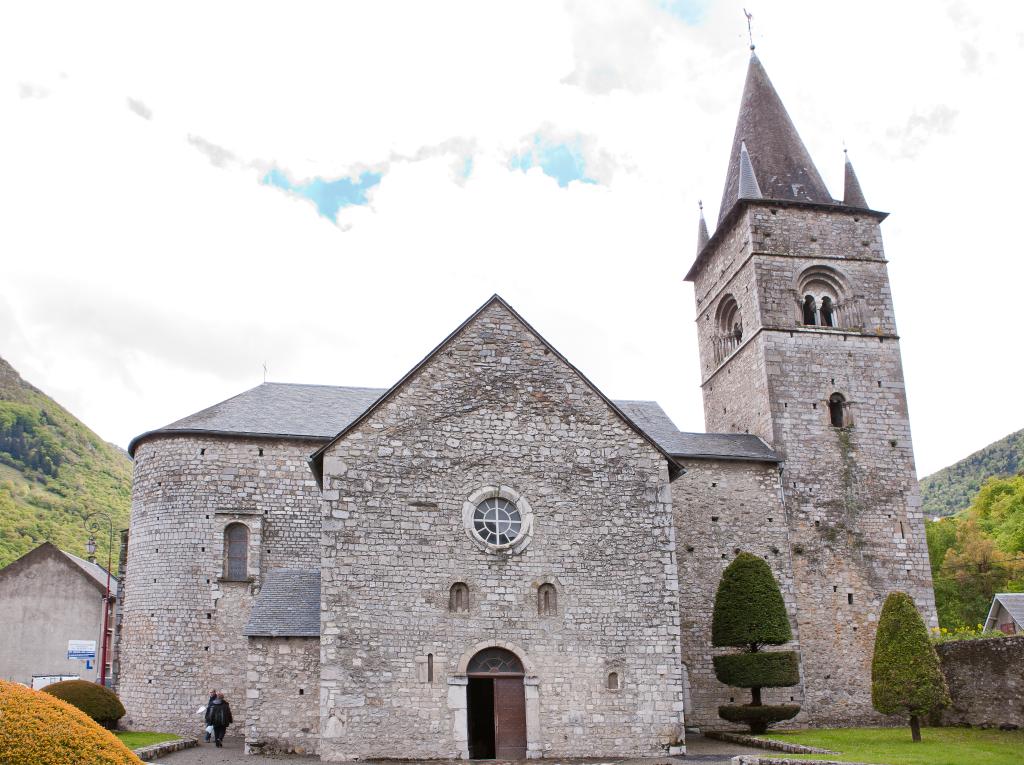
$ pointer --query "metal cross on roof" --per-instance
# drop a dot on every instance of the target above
(750, 31)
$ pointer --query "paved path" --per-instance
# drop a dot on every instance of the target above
(231, 754)
(699, 750)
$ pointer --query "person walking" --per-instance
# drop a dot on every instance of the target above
(220, 718)
(206, 714)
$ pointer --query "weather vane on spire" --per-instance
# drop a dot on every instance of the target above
(750, 31)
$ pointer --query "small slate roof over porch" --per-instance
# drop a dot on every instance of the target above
(288, 605)
(319, 412)
(1013, 602)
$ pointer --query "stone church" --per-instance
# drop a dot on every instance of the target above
(492, 559)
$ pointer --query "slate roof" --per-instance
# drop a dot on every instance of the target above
(782, 165)
(1013, 602)
(320, 412)
(316, 412)
(735, 446)
(94, 570)
(288, 605)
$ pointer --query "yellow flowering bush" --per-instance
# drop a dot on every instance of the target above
(39, 729)
(943, 635)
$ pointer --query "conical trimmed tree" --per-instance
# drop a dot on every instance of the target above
(906, 678)
(750, 614)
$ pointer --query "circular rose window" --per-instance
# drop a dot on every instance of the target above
(497, 522)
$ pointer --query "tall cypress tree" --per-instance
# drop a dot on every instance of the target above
(906, 678)
(750, 614)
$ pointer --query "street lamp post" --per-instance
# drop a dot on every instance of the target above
(90, 546)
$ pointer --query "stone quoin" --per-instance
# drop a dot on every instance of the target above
(493, 559)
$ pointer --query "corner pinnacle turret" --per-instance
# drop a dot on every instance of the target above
(702, 229)
(852, 194)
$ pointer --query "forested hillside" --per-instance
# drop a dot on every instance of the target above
(951, 489)
(978, 553)
(54, 470)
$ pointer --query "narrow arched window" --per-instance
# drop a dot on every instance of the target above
(613, 681)
(458, 598)
(430, 667)
(826, 312)
(810, 311)
(236, 551)
(836, 403)
(547, 600)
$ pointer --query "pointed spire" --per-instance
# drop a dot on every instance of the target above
(852, 194)
(778, 159)
(702, 229)
(749, 188)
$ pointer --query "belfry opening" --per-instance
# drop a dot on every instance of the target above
(496, 706)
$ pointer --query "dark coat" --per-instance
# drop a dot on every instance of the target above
(206, 717)
(220, 713)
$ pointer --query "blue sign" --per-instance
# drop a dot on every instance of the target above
(81, 650)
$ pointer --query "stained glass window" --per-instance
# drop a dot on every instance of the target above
(495, 661)
(236, 551)
(497, 521)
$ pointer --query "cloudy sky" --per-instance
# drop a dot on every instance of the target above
(194, 190)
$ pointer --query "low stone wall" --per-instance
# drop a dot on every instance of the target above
(765, 743)
(283, 690)
(985, 682)
(754, 759)
(151, 752)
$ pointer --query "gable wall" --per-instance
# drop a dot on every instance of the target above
(494, 407)
(45, 603)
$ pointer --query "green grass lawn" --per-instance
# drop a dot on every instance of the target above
(134, 739)
(892, 746)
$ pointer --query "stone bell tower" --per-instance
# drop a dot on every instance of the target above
(798, 345)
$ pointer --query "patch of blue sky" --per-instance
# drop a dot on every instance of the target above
(467, 166)
(328, 196)
(692, 12)
(562, 161)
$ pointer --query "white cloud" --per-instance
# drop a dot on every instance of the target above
(147, 273)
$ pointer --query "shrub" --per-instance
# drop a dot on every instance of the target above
(41, 729)
(750, 614)
(765, 715)
(943, 635)
(749, 610)
(101, 704)
(905, 674)
(774, 669)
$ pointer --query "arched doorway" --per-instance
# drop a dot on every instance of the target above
(496, 706)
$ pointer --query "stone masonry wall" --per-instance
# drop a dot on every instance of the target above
(722, 508)
(985, 682)
(851, 495)
(492, 408)
(182, 624)
(735, 404)
(283, 695)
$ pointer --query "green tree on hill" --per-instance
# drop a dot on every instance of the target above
(750, 614)
(978, 553)
(905, 675)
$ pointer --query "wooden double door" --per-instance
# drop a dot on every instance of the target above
(496, 717)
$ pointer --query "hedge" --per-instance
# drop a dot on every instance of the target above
(748, 606)
(101, 704)
(764, 669)
(40, 729)
(758, 717)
